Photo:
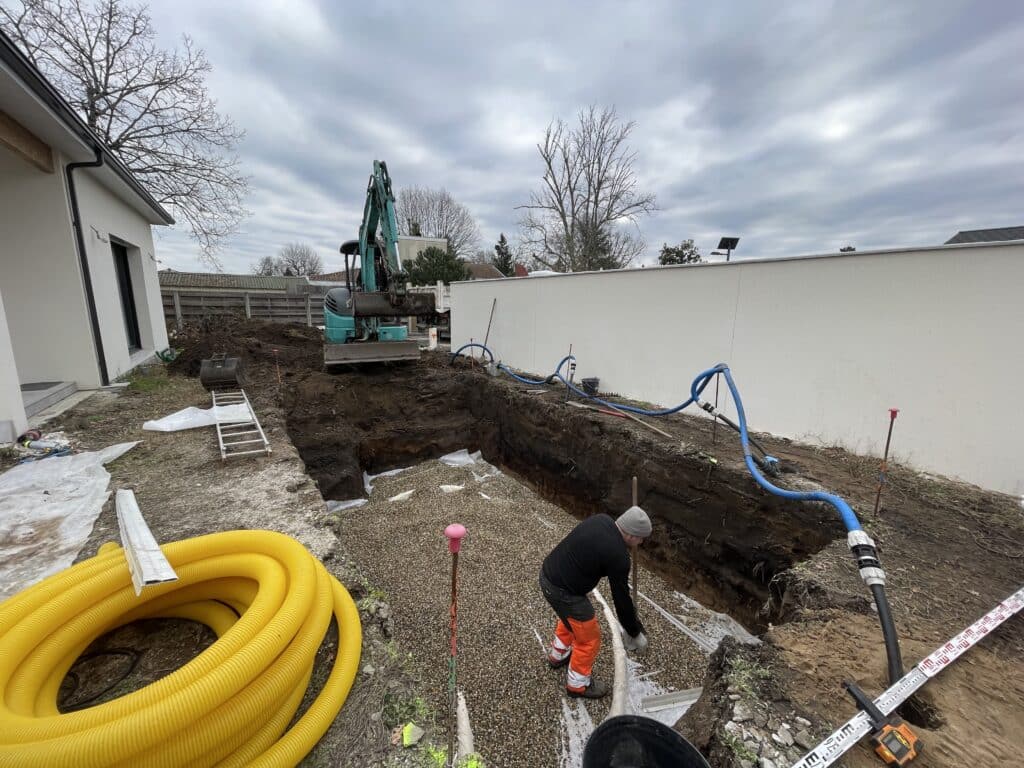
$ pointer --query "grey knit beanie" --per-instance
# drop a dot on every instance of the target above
(635, 522)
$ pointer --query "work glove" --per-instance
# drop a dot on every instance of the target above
(638, 643)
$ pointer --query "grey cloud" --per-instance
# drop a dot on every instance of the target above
(798, 127)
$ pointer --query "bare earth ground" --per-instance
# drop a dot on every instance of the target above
(952, 551)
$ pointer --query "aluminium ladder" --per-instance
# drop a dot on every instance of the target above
(229, 430)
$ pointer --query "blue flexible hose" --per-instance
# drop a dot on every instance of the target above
(845, 512)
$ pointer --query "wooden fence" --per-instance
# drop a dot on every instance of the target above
(182, 306)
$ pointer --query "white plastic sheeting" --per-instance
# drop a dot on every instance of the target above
(463, 458)
(460, 458)
(47, 510)
(368, 478)
(192, 417)
(705, 627)
(338, 506)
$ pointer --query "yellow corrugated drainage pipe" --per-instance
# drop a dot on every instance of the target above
(229, 706)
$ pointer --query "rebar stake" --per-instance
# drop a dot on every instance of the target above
(636, 550)
(885, 459)
(455, 533)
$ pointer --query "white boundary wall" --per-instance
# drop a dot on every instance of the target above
(820, 347)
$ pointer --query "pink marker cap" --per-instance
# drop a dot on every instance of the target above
(893, 412)
(455, 533)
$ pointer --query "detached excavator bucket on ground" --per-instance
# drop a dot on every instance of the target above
(220, 371)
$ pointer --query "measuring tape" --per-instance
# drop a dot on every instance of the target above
(858, 726)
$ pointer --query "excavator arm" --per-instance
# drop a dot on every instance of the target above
(380, 253)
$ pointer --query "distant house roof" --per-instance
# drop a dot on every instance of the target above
(171, 279)
(483, 271)
(335, 277)
(987, 235)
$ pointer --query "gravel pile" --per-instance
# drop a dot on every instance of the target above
(516, 702)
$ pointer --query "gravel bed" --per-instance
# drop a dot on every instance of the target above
(516, 702)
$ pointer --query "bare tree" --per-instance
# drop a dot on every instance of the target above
(149, 105)
(265, 267)
(585, 214)
(425, 212)
(298, 259)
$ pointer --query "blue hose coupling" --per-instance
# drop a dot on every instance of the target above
(863, 549)
(771, 465)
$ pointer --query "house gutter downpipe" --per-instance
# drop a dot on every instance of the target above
(83, 260)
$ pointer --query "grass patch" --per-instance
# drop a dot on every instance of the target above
(738, 748)
(400, 708)
(746, 676)
(151, 383)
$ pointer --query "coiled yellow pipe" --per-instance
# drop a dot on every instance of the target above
(229, 706)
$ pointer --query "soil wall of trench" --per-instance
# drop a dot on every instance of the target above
(717, 535)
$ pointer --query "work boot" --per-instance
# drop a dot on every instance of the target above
(558, 664)
(596, 690)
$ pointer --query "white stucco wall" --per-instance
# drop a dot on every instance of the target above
(104, 216)
(12, 412)
(40, 277)
(820, 347)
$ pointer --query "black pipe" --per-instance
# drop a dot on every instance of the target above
(892, 642)
(83, 260)
(736, 427)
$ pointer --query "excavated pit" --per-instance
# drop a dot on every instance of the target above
(717, 536)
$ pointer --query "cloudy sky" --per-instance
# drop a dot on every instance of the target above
(799, 129)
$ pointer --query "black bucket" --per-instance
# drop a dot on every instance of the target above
(590, 385)
(630, 741)
(220, 371)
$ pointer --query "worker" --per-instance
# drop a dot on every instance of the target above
(597, 547)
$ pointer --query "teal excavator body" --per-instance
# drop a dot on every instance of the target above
(364, 321)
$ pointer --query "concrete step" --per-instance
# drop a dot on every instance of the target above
(41, 395)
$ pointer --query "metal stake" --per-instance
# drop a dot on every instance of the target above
(636, 550)
(885, 458)
(455, 534)
(488, 335)
(572, 371)
(714, 425)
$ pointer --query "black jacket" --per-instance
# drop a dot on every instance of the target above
(592, 550)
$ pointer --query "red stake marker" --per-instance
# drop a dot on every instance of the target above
(455, 533)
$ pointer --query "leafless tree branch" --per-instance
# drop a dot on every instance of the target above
(151, 106)
(586, 213)
(435, 213)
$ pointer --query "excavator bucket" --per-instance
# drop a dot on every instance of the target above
(370, 352)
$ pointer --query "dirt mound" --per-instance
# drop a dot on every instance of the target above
(256, 342)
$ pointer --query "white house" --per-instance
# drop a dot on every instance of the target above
(79, 295)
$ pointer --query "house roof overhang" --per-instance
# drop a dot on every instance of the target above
(30, 99)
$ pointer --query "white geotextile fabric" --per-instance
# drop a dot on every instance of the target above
(192, 417)
(460, 458)
(338, 506)
(47, 510)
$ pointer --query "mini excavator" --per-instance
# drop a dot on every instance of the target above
(364, 321)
